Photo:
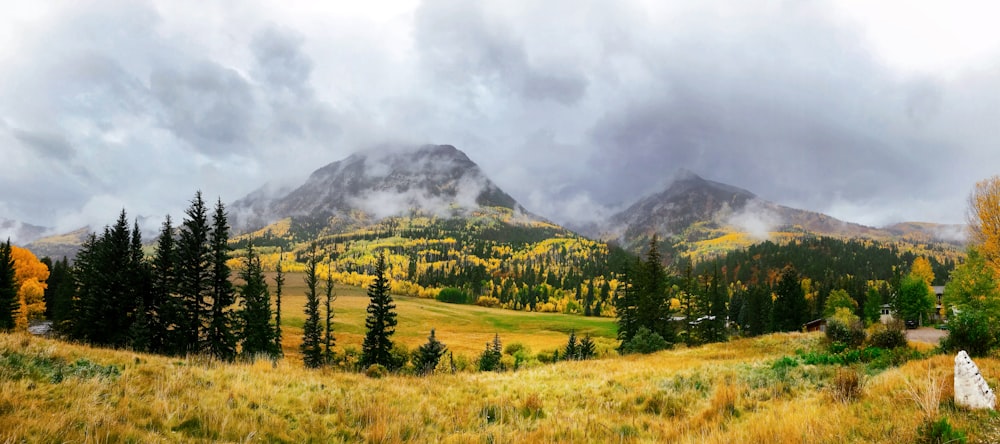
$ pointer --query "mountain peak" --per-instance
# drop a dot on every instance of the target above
(388, 181)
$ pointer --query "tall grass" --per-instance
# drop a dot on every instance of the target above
(730, 392)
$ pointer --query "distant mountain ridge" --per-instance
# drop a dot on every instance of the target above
(696, 216)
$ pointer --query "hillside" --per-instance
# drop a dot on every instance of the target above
(751, 390)
(442, 223)
(696, 218)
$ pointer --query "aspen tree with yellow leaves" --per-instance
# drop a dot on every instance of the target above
(30, 274)
(984, 220)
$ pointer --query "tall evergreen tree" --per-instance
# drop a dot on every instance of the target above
(428, 355)
(626, 308)
(166, 307)
(141, 328)
(9, 303)
(652, 301)
(312, 349)
(194, 276)
(588, 299)
(59, 293)
(381, 320)
(571, 352)
(328, 340)
(221, 329)
(279, 284)
(257, 335)
(715, 330)
(790, 308)
(587, 349)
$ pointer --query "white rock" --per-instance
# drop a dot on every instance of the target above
(971, 390)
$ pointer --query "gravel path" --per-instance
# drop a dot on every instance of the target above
(925, 334)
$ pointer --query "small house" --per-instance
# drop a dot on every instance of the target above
(816, 325)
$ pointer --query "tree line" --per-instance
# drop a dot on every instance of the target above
(181, 301)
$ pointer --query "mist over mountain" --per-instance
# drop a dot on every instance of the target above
(693, 209)
(19, 232)
(437, 180)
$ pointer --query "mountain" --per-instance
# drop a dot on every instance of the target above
(696, 217)
(61, 245)
(437, 180)
(19, 232)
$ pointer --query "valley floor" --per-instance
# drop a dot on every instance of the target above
(730, 392)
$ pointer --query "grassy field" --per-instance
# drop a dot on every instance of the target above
(465, 329)
(758, 390)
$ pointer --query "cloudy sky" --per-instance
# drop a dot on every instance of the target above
(874, 112)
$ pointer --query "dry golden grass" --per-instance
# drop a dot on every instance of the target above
(721, 393)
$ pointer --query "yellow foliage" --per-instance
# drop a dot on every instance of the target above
(984, 219)
(922, 268)
(31, 275)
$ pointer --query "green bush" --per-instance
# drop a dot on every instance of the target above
(645, 342)
(970, 330)
(888, 336)
(838, 332)
(453, 295)
(376, 371)
(940, 432)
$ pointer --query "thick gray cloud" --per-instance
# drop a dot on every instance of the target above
(576, 108)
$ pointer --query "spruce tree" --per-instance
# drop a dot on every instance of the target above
(141, 328)
(588, 300)
(381, 320)
(328, 340)
(587, 349)
(279, 284)
(571, 352)
(166, 307)
(257, 336)
(194, 277)
(221, 328)
(312, 350)
(428, 355)
(59, 294)
(790, 309)
(626, 308)
(9, 304)
(489, 361)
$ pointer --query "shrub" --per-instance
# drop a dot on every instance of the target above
(888, 336)
(453, 295)
(841, 334)
(847, 384)
(376, 371)
(645, 342)
(969, 331)
(939, 432)
(488, 301)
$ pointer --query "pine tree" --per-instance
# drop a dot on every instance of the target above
(652, 301)
(8, 288)
(571, 352)
(279, 284)
(328, 340)
(312, 351)
(381, 320)
(489, 361)
(59, 294)
(428, 355)
(790, 309)
(166, 307)
(257, 337)
(141, 328)
(221, 325)
(587, 349)
(625, 306)
(194, 277)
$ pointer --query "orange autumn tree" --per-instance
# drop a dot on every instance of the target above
(30, 275)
